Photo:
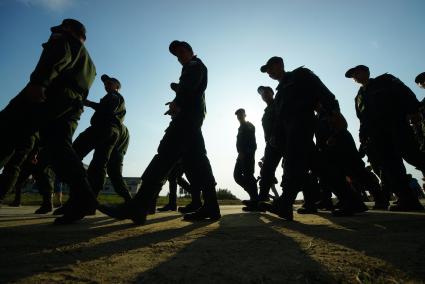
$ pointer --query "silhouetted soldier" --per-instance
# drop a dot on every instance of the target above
(272, 156)
(420, 127)
(298, 93)
(108, 137)
(384, 105)
(243, 172)
(52, 103)
(182, 140)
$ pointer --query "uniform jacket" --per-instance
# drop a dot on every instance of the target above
(245, 140)
(190, 95)
(383, 105)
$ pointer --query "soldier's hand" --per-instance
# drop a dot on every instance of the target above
(173, 109)
(174, 87)
(34, 93)
(241, 156)
(415, 118)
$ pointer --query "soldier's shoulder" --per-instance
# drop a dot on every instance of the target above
(250, 126)
(386, 78)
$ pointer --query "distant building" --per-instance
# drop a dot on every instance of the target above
(132, 182)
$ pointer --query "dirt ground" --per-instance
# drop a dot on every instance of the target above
(375, 247)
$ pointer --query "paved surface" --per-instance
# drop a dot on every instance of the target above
(374, 247)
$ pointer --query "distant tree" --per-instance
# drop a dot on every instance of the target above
(225, 194)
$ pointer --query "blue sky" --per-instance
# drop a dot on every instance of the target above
(129, 40)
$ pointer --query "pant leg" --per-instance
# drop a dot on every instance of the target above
(272, 158)
(170, 151)
(107, 139)
(12, 169)
(114, 170)
(85, 142)
(66, 163)
(196, 158)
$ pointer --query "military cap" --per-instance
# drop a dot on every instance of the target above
(174, 44)
(105, 78)
(420, 78)
(240, 111)
(350, 72)
(261, 89)
(75, 25)
(272, 60)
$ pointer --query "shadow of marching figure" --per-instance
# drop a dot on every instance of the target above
(243, 249)
(31, 249)
(380, 246)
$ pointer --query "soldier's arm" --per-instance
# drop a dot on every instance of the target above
(322, 94)
(55, 57)
(91, 104)
(407, 100)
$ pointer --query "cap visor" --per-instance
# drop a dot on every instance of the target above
(349, 73)
(264, 68)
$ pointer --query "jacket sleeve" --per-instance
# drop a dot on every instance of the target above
(322, 94)
(406, 98)
(55, 57)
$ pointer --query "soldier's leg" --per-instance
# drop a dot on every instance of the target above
(196, 157)
(26, 171)
(114, 171)
(170, 151)
(411, 150)
(104, 145)
(45, 179)
(67, 164)
(355, 168)
(238, 174)
(394, 173)
(85, 142)
(272, 158)
(193, 188)
(12, 169)
(248, 172)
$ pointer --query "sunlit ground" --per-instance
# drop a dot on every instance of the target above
(374, 247)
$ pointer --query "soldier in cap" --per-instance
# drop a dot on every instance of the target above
(53, 102)
(384, 106)
(298, 93)
(272, 156)
(108, 137)
(183, 139)
(243, 172)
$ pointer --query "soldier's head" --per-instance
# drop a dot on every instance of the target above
(240, 115)
(112, 85)
(182, 50)
(420, 80)
(274, 67)
(266, 94)
(73, 27)
(360, 74)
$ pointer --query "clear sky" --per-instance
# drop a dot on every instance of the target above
(129, 40)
